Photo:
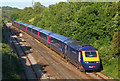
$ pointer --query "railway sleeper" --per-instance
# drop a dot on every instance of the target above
(62, 55)
(78, 66)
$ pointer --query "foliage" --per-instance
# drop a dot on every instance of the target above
(116, 42)
(8, 9)
(94, 23)
(13, 69)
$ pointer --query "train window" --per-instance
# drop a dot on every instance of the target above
(56, 42)
(17, 24)
(29, 29)
(13, 23)
(21, 25)
(35, 32)
(90, 54)
(51, 39)
(43, 36)
(24, 27)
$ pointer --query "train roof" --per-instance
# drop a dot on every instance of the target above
(19, 22)
(40, 30)
(30, 26)
(80, 46)
(37, 28)
(88, 48)
(24, 24)
(60, 37)
(46, 32)
(34, 27)
(70, 42)
(16, 21)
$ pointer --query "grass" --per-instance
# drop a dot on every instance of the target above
(112, 69)
(110, 72)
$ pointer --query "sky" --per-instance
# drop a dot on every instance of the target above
(21, 4)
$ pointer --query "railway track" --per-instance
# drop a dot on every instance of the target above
(14, 42)
(53, 62)
(54, 56)
(15, 50)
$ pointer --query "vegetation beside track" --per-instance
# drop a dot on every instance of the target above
(13, 69)
(95, 23)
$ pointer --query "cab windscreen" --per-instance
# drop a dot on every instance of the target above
(90, 54)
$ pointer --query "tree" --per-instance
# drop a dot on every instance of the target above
(38, 7)
(116, 43)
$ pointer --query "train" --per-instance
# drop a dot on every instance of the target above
(84, 56)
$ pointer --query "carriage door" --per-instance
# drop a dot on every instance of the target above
(79, 57)
(65, 49)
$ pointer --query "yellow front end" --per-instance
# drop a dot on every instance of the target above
(90, 58)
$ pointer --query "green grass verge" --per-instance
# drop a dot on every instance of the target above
(13, 69)
(10, 69)
(112, 69)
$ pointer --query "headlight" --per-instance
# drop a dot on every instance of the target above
(86, 62)
(97, 62)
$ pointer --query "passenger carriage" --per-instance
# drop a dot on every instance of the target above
(82, 55)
